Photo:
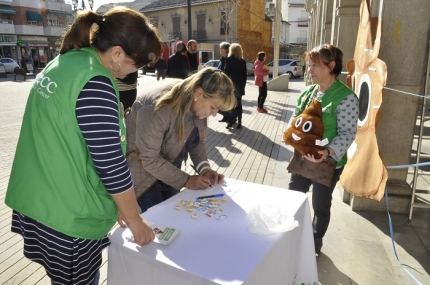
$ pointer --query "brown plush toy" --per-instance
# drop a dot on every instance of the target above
(306, 131)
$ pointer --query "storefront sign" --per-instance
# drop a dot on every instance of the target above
(6, 39)
(34, 39)
(38, 44)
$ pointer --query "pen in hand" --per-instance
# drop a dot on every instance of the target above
(195, 169)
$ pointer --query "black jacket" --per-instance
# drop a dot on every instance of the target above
(177, 66)
(221, 65)
(160, 64)
(193, 60)
(235, 68)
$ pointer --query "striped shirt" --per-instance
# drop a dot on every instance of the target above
(69, 260)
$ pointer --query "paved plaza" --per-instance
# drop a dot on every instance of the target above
(357, 247)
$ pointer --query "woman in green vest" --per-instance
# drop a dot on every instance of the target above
(69, 177)
(340, 115)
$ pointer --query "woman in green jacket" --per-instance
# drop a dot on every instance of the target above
(69, 177)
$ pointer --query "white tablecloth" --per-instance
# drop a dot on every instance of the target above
(211, 251)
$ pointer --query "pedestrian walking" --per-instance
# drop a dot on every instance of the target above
(193, 56)
(235, 68)
(161, 67)
(177, 65)
(223, 50)
(261, 76)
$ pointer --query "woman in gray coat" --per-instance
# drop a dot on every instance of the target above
(169, 121)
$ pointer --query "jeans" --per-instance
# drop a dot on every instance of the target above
(158, 193)
(321, 201)
(94, 282)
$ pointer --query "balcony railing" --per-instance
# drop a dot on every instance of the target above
(302, 40)
(8, 22)
(302, 22)
(199, 35)
(173, 36)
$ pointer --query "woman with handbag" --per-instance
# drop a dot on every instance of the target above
(235, 68)
(340, 115)
(168, 122)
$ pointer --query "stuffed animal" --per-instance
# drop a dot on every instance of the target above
(306, 131)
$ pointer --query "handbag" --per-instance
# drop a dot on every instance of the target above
(321, 173)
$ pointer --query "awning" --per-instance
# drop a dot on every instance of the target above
(6, 10)
(60, 12)
(33, 16)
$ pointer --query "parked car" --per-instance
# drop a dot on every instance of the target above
(211, 63)
(9, 64)
(150, 67)
(250, 68)
(292, 67)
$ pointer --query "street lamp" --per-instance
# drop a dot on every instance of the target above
(75, 4)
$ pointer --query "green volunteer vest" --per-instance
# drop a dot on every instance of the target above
(53, 178)
(329, 102)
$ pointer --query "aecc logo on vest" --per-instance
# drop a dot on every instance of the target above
(44, 85)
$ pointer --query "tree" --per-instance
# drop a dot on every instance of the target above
(225, 10)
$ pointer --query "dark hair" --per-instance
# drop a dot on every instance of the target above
(191, 42)
(326, 53)
(181, 47)
(224, 45)
(120, 26)
(261, 55)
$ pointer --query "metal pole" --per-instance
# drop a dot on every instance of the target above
(190, 32)
(276, 38)
(420, 137)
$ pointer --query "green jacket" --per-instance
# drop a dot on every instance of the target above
(329, 102)
(53, 178)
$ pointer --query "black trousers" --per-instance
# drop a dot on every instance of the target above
(262, 94)
(161, 73)
(321, 201)
(235, 113)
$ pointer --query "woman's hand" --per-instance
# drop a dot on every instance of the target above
(121, 221)
(311, 157)
(208, 178)
(141, 230)
(198, 182)
(214, 176)
(129, 217)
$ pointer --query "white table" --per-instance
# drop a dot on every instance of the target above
(210, 251)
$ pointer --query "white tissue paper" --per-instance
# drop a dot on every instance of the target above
(268, 219)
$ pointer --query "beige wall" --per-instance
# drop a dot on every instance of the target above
(212, 28)
(247, 24)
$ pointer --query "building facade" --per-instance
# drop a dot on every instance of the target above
(212, 22)
(33, 29)
(294, 27)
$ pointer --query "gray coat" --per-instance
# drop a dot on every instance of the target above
(152, 143)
